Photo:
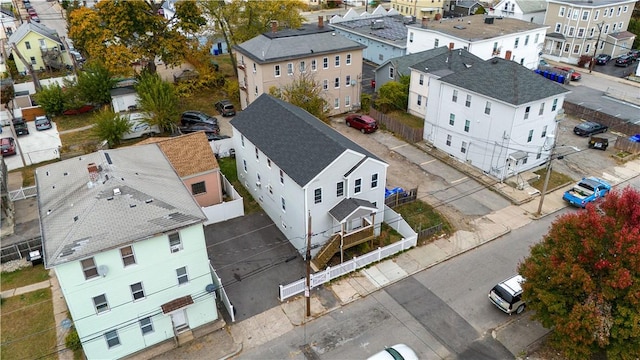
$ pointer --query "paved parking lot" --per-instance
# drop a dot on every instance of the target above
(37, 147)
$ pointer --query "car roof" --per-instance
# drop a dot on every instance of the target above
(404, 351)
(513, 284)
(6, 140)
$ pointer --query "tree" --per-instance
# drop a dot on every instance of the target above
(394, 95)
(110, 127)
(305, 92)
(121, 32)
(583, 279)
(52, 99)
(95, 83)
(158, 99)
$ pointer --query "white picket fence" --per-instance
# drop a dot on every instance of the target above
(23, 193)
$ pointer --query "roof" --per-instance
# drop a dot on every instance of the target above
(348, 206)
(134, 194)
(389, 29)
(506, 81)
(473, 28)
(298, 142)
(295, 44)
(466, 3)
(592, 3)
(445, 61)
(531, 6)
(189, 154)
(622, 35)
(27, 27)
(122, 90)
(401, 64)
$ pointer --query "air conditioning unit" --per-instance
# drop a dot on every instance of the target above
(175, 248)
(258, 184)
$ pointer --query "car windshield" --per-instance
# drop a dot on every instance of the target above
(586, 126)
(503, 294)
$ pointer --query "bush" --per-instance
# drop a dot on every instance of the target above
(110, 127)
(72, 341)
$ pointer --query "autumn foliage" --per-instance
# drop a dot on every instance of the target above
(583, 279)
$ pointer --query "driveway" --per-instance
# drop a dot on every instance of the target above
(37, 147)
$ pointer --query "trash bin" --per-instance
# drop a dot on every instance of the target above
(215, 52)
(34, 257)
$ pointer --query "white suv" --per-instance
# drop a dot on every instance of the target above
(507, 295)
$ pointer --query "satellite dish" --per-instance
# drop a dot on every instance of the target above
(210, 288)
(66, 324)
(103, 270)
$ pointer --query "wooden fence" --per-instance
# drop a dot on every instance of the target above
(429, 232)
(627, 145)
(408, 133)
(614, 123)
(398, 199)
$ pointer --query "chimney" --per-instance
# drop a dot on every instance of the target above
(507, 55)
(320, 22)
(93, 172)
(425, 21)
(451, 46)
(274, 26)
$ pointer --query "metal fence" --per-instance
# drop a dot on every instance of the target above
(21, 249)
(23, 193)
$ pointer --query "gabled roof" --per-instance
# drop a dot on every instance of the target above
(466, 3)
(531, 6)
(436, 60)
(388, 29)
(401, 64)
(133, 194)
(189, 154)
(295, 43)
(7, 15)
(298, 142)
(27, 27)
(348, 206)
(622, 35)
(505, 80)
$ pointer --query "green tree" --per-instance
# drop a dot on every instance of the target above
(52, 99)
(159, 100)
(95, 83)
(305, 92)
(110, 127)
(394, 95)
(583, 279)
(634, 27)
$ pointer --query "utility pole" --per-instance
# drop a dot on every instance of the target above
(595, 48)
(34, 76)
(307, 289)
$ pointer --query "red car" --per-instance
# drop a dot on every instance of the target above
(7, 146)
(32, 12)
(574, 74)
(364, 123)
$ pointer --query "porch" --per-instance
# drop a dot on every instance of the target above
(341, 241)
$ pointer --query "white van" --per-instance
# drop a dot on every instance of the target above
(139, 127)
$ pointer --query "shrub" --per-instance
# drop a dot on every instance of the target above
(72, 341)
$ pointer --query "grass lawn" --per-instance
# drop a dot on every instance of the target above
(555, 180)
(68, 122)
(228, 168)
(22, 277)
(28, 327)
(420, 215)
(407, 119)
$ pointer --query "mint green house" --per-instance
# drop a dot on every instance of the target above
(126, 241)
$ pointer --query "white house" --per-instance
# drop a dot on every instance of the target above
(485, 37)
(304, 173)
(126, 241)
(497, 116)
(526, 10)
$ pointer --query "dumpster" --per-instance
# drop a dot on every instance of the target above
(599, 143)
(34, 257)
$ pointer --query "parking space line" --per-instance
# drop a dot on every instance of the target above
(461, 179)
(427, 162)
(399, 146)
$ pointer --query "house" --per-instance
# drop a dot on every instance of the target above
(126, 241)
(434, 63)
(40, 46)
(277, 58)
(307, 177)
(418, 8)
(525, 10)
(577, 28)
(485, 37)
(9, 23)
(124, 98)
(496, 115)
(383, 33)
(457, 8)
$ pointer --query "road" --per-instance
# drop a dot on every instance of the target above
(52, 16)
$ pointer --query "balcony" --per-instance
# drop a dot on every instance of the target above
(349, 239)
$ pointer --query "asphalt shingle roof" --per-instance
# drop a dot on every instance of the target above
(27, 27)
(298, 142)
(189, 154)
(530, 6)
(81, 216)
(443, 59)
(348, 206)
(505, 80)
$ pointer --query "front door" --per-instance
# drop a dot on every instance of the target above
(179, 319)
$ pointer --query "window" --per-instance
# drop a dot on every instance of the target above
(317, 196)
(175, 244)
(555, 105)
(43, 45)
(255, 91)
(283, 204)
(314, 65)
(626, 7)
(535, 40)
(558, 28)
(613, 29)
(454, 97)
(348, 61)
(347, 80)
(198, 188)
(495, 48)
(421, 80)
(487, 108)
(544, 131)
(336, 103)
(571, 31)
(181, 273)
(390, 73)
(611, 12)
(566, 47)
(564, 32)
(596, 15)
(276, 70)
(89, 268)
(100, 303)
(561, 11)
(347, 100)
(467, 124)
(526, 40)
(28, 45)
(358, 186)
(620, 26)
(336, 83)
(337, 61)
(452, 119)
(530, 136)
(127, 256)
(576, 49)
(576, 13)
(244, 165)
(112, 338)
(526, 112)
(435, 43)
(468, 102)
(619, 11)
(410, 37)
(146, 326)
(270, 189)
(592, 31)
(580, 32)
(587, 48)
(515, 44)
(281, 177)
(33, 60)
(325, 63)
(269, 163)
(448, 140)
(374, 181)
(541, 111)
(463, 147)
(606, 28)
(302, 66)
(137, 291)
(290, 69)
(257, 153)
(340, 188)
(242, 140)
(325, 84)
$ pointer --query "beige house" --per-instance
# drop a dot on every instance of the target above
(593, 27)
(276, 58)
(418, 8)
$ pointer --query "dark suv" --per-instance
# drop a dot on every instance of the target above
(20, 126)
(197, 117)
(225, 108)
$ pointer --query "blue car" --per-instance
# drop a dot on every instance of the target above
(586, 190)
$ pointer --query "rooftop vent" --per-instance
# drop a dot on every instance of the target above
(408, 20)
(116, 191)
(377, 24)
(459, 27)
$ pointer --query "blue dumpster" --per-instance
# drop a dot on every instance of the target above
(546, 74)
(215, 52)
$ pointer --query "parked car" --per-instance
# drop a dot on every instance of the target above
(20, 126)
(364, 123)
(572, 73)
(43, 123)
(603, 59)
(635, 53)
(625, 60)
(197, 117)
(395, 352)
(7, 146)
(507, 295)
(32, 12)
(586, 190)
(225, 108)
(209, 130)
(589, 128)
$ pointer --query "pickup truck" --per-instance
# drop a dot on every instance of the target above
(586, 190)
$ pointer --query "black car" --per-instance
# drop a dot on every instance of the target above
(603, 59)
(20, 126)
(197, 117)
(625, 60)
(635, 53)
(225, 108)
(589, 128)
(213, 129)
